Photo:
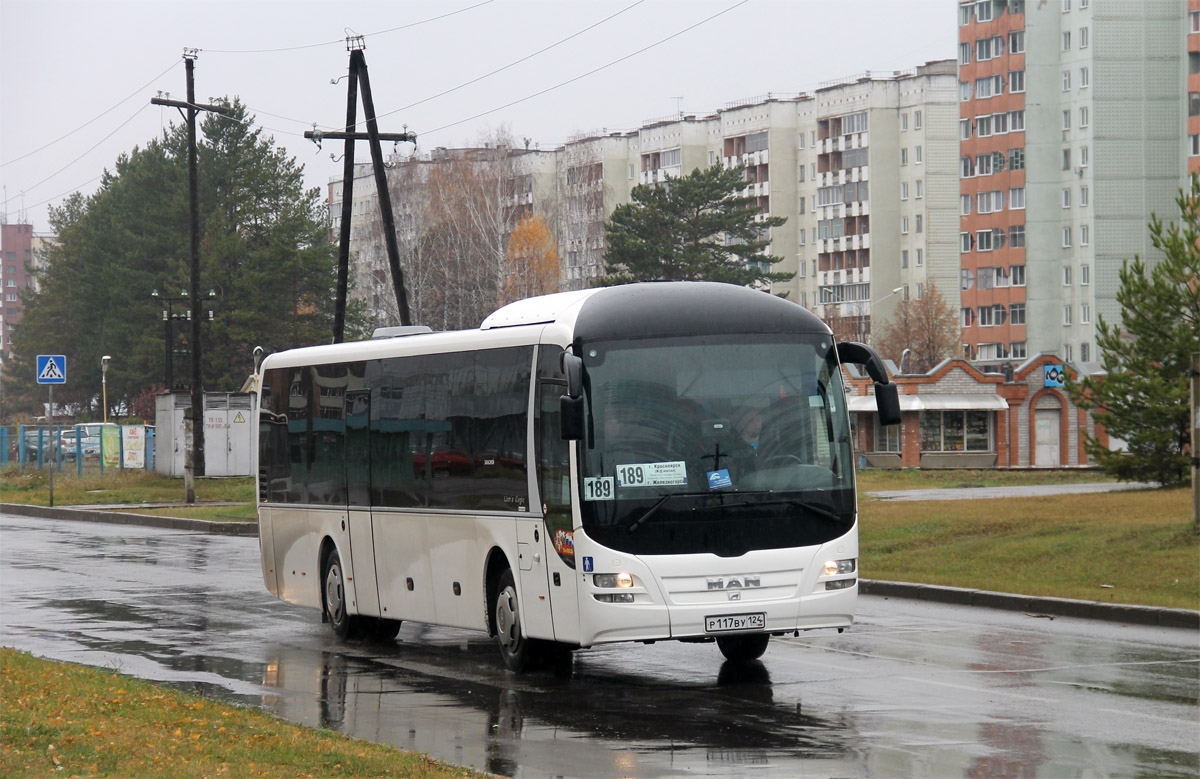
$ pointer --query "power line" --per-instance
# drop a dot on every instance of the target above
(97, 116)
(515, 62)
(86, 153)
(341, 40)
(588, 73)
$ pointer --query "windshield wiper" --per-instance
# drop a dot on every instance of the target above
(811, 508)
(637, 523)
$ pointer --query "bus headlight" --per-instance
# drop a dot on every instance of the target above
(614, 597)
(835, 567)
(623, 580)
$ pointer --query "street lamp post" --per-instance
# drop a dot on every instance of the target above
(104, 385)
(867, 337)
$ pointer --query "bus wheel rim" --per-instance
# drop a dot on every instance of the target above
(333, 593)
(508, 625)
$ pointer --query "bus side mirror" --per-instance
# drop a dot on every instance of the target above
(571, 411)
(887, 396)
(887, 402)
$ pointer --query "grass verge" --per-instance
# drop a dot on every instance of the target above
(1134, 547)
(242, 512)
(76, 720)
(915, 479)
(32, 487)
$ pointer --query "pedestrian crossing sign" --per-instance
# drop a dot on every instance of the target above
(51, 369)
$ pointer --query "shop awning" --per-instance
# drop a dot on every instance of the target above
(935, 402)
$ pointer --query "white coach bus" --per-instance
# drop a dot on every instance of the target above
(656, 461)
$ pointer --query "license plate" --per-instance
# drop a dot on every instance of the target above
(735, 622)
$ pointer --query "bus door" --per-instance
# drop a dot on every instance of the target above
(552, 457)
(358, 498)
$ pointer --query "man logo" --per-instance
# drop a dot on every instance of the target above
(734, 583)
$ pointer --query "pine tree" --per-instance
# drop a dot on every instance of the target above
(697, 227)
(1143, 395)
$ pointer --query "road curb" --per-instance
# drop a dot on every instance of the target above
(1031, 604)
(128, 518)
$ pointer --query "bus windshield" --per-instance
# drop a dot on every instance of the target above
(718, 444)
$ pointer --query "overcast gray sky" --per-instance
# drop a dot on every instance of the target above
(65, 63)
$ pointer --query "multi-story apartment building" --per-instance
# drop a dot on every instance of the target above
(593, 176)
(19, 250)
(864, 170)
(884, 178)
(1071, 127)
(1193, 86)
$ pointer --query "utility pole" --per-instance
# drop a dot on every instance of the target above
(358, 72)
(197, 415)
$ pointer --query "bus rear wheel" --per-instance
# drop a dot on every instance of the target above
(744, 647)
(506, 622)
(344, 625)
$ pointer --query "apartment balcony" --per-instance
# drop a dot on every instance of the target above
(653, 176)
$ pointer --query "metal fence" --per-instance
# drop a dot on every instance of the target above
(79, 447)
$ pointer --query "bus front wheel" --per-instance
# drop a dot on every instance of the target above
(744, 647)
(344, 625)
(506, 621)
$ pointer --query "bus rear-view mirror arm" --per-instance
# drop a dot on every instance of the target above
(571, 407)
(887, 396)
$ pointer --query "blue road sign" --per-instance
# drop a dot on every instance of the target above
(51, 369)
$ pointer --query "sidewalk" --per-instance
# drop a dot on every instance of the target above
(1032, 605)
(1031, 491)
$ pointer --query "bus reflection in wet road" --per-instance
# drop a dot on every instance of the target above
(912, 689)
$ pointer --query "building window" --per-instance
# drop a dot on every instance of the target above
(1016, 81)
(964, 129)
(920, 262)
(1016, 120)
(904, 225)
(1016, 41)
(1066, 202)
(904, 156)
(1085, 275)
(983, 239)
(1016, 158)
(1085, 314)
(904, 258)
(968, 317)
(964, 205)
(916, 120)
(1016, 198)
(985, 316)
(1083, 196)
(904, 122)
(983, 11)
(964, 53)
(1066, 236)
(983, 126)
(1016, 313)
(964, 91)
(917, 155)
(1084, 78)
(1066, 80)
(1066, 315)
(956, 431)
(1018, 275)
(1066, 41)
(920, 223)
(802, 270)
(1066, 121)
(1016, 350)
(964, 242)
(1084, 115)
(1194, 21)
(887, 437)
(920, 190)
(966, 167)
(904, 190)
(1083, 37)
(1066, 275)
(1084, 354)
(1084, 235)
(1016, 236)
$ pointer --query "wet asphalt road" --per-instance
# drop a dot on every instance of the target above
(914, 689)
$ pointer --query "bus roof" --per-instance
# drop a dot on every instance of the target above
(659, 308)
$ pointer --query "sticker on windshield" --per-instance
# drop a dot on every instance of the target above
(598, 488)
(667, 474)
(719, 480)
